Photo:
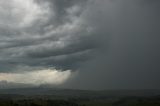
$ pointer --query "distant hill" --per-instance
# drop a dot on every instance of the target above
(58, 92)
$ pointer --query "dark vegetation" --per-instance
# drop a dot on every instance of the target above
(127, 101)
(48, 97)
(37, 102)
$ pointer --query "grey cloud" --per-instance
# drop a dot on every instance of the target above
(70, 47)
(29, 45)
(112, 44)
(128, 53)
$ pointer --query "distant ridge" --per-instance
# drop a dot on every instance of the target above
(33, 91)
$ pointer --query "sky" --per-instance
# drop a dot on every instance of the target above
(80, 44)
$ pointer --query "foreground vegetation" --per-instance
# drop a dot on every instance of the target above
(38, 102)
(127, 101)
(68, 97)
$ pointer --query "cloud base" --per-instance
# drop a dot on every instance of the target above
(48, 76)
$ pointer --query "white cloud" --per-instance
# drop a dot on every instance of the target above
(48, 76)
(22, 13)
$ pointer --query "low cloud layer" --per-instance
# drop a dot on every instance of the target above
(48, 76)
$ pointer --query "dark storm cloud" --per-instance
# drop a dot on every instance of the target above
(110, 43)
(128, 55)
(74, 46)
(60, 7)
(60, 32)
